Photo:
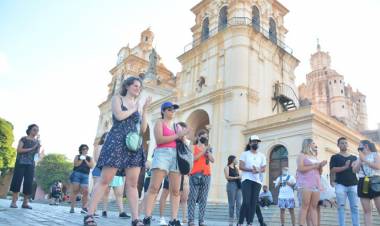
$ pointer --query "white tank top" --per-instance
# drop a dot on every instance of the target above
(368, 171)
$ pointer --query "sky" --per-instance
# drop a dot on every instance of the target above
(55, 56)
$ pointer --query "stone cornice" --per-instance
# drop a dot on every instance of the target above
(283, 10)
(215, 97)
(161, 69)
(305, 114)
(196, 9)
(214, 40)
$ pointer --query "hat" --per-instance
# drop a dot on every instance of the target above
(254, 137)
(168, 104)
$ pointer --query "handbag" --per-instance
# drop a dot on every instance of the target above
(133, 140)
(185, 158)
(374, 181)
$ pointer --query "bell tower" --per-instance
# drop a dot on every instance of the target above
(236, 58)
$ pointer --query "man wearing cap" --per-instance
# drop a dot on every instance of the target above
(252, 164)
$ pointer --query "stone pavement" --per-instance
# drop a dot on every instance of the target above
(44, 214)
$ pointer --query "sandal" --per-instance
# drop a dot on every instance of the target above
(13, 206)
(89, 221)
(137, 222)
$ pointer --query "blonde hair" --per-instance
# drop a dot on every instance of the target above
(306, 147)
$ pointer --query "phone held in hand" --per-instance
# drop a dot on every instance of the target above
(82, 157)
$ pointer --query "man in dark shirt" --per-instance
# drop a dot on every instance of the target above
(345, 182)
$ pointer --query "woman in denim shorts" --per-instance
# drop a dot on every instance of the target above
(79, 177)
(165, 163)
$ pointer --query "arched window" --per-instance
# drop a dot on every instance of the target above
(222, 18)
(256, 18)
(205, 29)
(278, 160)
(272, 31)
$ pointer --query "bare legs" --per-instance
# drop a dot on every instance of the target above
(131, 179)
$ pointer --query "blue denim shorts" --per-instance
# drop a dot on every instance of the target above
(165, 159)
(96, 172)
(79, 178)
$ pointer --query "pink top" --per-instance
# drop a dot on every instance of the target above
(310, 179)
(167, 132)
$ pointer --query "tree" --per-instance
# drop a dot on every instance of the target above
(7, 155)
(7, 152)
(51, 168)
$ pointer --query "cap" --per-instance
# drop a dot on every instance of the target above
(254, 137)
(168, 105)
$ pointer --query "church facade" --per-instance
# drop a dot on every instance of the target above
(237, 79)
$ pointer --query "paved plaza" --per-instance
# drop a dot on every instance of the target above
(43, 214)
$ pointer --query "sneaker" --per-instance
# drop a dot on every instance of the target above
(84, 211)
(147, 221)
(124, 215)
(265, 207)
(174, 222)
(163, 221)
(104, 214)
(72, 210)
(202, 224)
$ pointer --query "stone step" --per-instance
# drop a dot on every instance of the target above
(271, 215)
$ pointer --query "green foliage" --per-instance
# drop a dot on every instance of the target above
(51, 168)
(7, 152)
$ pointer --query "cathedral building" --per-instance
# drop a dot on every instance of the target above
(327, 91)
(237, 79)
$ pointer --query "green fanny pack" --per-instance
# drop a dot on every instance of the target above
(133, 140)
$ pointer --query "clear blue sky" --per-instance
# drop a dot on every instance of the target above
(55, 56)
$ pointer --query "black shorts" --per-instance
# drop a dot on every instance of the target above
(166, 183)
(370, 195)
(146, 184)
(56, 195)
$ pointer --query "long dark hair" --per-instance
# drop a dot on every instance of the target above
(231, 159)
(371, 146)
(30, 127)
(103, 138)
(127, 83)
(81, 148)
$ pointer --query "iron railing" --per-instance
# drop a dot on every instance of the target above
(239, 21)
(287, 91)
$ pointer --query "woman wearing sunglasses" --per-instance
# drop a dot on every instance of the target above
(165, 163)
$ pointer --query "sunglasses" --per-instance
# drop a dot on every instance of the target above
(169, 109)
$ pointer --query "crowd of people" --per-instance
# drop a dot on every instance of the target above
(116, 166)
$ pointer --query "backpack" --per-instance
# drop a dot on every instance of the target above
(185, 158)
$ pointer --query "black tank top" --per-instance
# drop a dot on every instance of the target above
(83, 167)
(233, 172)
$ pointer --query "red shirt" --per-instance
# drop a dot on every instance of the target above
(200, 165)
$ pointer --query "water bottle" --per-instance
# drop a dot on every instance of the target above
(365, 185)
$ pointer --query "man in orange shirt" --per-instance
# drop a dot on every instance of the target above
(200, 177)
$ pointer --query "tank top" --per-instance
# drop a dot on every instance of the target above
(166, 132)
(27, 157)
(310, 179)
(83, 167)
(368, 171)
(233, 172)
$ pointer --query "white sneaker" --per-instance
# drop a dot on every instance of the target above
(265, 207)
(163, 221)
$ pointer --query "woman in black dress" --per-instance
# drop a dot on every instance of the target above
(24, 169)
(115, 154)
